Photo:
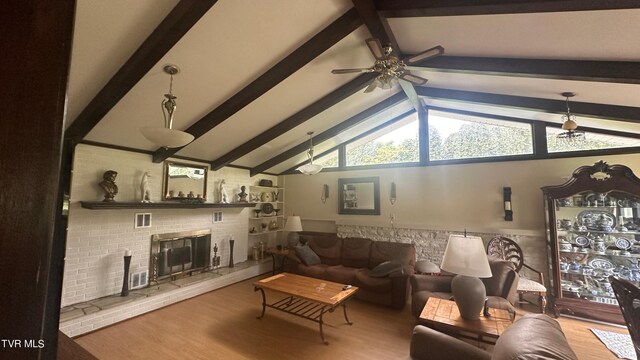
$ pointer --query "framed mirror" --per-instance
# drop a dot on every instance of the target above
(359, 196)
(184, 181)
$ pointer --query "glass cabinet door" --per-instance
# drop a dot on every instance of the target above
(597, 237)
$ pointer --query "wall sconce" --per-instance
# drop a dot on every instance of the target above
(325, 193)
(392, 193)
(508, 212)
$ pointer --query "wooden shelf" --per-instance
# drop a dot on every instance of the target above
(266, 217)
(100, 205)
(265, 232)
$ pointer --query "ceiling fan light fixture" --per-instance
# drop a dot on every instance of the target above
(310, 168)
(167, 137)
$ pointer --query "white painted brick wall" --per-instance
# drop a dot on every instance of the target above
(96, 239)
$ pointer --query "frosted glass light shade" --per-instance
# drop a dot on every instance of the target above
(168, 138)
(293, 224)
(310, 169)
(465, 255)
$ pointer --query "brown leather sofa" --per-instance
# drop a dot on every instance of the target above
(501, 287)
(350, 261)
(534, 336)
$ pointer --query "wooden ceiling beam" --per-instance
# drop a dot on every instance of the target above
(294, 120)
(421, 8)
(330, 133)
(311, 49)
(624, 72)
(181, 18)
(599, 111)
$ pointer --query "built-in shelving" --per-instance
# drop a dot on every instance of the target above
(101, 205)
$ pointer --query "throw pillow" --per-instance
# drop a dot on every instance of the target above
(307, 255)
(385, 269)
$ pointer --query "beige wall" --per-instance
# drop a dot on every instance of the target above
(452, 197)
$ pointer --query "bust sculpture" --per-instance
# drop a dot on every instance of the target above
(242, 196)
(108, 185)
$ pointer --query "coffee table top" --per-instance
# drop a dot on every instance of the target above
(444, 314)
(318, 290)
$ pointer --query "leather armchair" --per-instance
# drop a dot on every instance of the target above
(534, 336)
(501, 287)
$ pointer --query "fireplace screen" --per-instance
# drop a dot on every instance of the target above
(179, 253)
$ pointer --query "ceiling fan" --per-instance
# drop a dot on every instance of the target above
(390, 66)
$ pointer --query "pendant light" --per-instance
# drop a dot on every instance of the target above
(310, 168)
(167, 137)
(569, 124)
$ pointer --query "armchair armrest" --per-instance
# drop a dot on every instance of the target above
(433, 283)
(430, 344)
(539, 273)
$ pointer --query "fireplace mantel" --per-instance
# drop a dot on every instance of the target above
(101, 205)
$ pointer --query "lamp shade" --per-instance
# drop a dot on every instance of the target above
(465, 255)
(164, 137)
(293, 224)
(310, 169)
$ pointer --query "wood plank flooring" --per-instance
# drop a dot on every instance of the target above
(222, 324)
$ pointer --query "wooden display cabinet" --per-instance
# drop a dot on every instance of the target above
(593, 228)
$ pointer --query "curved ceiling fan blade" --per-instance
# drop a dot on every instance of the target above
(349, 71)
(371, 86)
(416, 80)
(376, 48)
(427, 54)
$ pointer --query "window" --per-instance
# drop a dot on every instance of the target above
(590, 141)
(328, 161)
(457, 136)
(396, 143)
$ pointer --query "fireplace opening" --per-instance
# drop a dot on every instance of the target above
(182, 253)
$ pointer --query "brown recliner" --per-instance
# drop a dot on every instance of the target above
(534, 336)
(501, 287)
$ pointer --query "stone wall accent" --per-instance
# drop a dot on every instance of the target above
(431, 244)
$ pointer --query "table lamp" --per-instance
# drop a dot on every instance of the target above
(465, 257)
(293, 225)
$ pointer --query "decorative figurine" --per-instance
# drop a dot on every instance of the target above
(216, 260)
(222, 193)
(242, 196)
(108, 185)
(144, 188)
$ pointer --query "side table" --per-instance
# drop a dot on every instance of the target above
(275, 253)
(443, 315)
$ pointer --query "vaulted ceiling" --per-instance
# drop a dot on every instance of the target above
(256, 74)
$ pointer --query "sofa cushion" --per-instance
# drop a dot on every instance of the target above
(341, 274)
(385, 269)
(355, 252)
(327, 246)
(534, 336)
(502, 271)
(400, 253)
(316, 271)
(376, 284)
(306, 254)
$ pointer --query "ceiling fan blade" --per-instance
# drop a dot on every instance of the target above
(427, 54)
(416, 80)
(349, 71)
(376, 48)
(371, 86)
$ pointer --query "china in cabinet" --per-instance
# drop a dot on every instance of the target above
(593, 232)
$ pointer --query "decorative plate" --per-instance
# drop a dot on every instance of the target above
(600, 263)
(581, 240)
(590, 218)
(267, 208)
(623, 243)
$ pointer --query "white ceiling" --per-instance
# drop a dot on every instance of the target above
(236, 41)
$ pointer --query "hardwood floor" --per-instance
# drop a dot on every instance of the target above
(222, 324)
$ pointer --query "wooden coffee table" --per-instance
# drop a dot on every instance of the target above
(307, 297)
(443, 315)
